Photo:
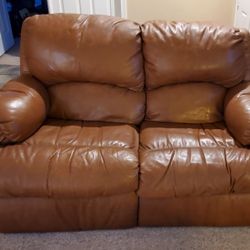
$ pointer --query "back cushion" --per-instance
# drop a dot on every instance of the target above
(92, 65)
(186, 103)
(188, 66)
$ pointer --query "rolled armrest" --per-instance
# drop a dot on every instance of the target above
(237, 112)
(23, 108)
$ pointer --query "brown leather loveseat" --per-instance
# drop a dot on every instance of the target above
(113, 125)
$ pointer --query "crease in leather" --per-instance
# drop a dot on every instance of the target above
(220, 166)
(50, 166)
(73, 151)
(96, 83)
(166, 169)
(231, 187)
(95, 159)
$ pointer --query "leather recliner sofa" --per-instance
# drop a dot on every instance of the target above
(114, 125)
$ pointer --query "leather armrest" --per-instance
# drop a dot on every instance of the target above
(237, 112)
(23, 108)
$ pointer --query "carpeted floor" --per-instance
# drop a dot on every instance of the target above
(9, 69)
(9, 63)
(133, 239)
(8, 72)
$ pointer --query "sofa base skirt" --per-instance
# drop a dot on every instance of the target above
(221, 210)
(46, 215)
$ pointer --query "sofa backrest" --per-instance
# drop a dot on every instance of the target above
(188, 68)
(92, 66)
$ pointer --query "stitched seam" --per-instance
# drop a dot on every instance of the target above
(197, 147)
(80, 146)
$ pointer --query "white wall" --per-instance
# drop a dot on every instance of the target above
(105, 7)
(218, 11)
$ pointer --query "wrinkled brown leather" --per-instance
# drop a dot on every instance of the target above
(183, 52)
(216, 210)
(70, 159)
(23, 108)
(97, 58)
(180, 160)
(237, 112)
(46, 215)
(96, 102)
(68, 47)
(186, 103)
(81, 169)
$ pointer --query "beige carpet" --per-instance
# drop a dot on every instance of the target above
(8, 72)
(9, 64)
(133, 239)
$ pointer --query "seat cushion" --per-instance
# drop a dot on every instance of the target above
(71, 159)
(180, 160)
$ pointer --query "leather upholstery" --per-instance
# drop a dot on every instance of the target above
(180, 160)
(217, 210)
(113, 125)
(67, 159)
(83, 50)
(237, 112)
(92, 102)
(207, 103)
(183, 52)
(23, 108)
(101, 54)
(48, 215)
(194, 55)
